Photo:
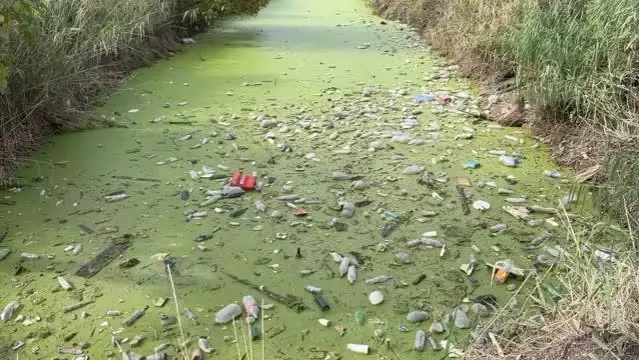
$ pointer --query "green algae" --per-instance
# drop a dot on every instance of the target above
(296, 61)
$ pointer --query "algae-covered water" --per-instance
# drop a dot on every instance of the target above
(350, 93)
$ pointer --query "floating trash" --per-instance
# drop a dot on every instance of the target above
(481, 205)
(552, 173)
(376, 297)
(509, 161)
(471, 164)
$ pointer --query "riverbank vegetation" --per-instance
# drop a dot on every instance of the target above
(576, 63)
(584, 306)
(56, 55)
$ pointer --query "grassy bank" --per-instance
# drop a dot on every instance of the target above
(576, 63)
(55, 55)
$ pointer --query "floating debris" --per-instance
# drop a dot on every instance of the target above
(376, 297)
(417, 316)
(135, 316)
(64, 283)
(7, 311)
(481, 205)
(358, 348)
(228, 313)
(379, 279)
(552, 173)
(190, 315)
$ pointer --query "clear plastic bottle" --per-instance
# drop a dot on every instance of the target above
(251, 308)
(228, 313)
(420, 340)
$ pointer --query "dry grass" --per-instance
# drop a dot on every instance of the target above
(582, 308)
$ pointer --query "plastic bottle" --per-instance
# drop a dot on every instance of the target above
(417, 316)
(254, 332)
(413, 169)
(228, 313)
(251, 308)
(135, 316)
(8, 310)
(420, 340)
(348, 209)
(203, 344)
(358, 348)
(116, 197)
(552, 173)
(379, 279)
(352, 274)
(321, 302)
(509, 161)
(313, 289)
(343, 266)
(232, 191)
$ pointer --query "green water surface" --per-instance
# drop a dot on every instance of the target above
(297, 61)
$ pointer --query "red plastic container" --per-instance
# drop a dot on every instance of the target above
(245, 181)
